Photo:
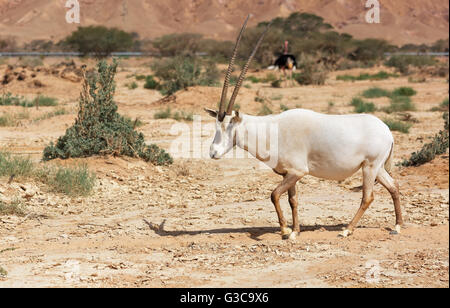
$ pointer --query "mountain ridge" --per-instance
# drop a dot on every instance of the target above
(413, 21)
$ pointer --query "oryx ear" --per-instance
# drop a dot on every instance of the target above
(211, 112)
(236, 118)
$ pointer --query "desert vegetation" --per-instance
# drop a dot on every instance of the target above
(99, 129)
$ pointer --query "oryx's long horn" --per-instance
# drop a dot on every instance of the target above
(229, 71)
(244, 71)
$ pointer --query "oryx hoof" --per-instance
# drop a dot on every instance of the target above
(396, 231)
(345, 233)
(285, 233)
(293, 236)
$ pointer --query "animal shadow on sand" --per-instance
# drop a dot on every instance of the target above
(254, 232)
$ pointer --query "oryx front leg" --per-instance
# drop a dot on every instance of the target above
(293, 202)
(369, 176)
(289, 180)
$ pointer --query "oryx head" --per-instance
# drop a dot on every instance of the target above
(227, 121)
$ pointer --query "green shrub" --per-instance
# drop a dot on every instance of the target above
(312, 73)
(375, 93)
(182, 72)
(360, 106)
(48, 115)
(403, 62)
(99, 129)
(404, 91)
(151, 83)
(178, 44)
(438, 145)
(400, 126)
(99, 40)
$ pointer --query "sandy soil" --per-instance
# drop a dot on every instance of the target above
(204, 223)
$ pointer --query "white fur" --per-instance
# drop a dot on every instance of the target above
(325, 146)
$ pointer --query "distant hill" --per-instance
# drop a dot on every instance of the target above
(402, 21)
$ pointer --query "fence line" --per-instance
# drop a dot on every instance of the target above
(149, 54)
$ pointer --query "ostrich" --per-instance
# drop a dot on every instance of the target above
(285, 62)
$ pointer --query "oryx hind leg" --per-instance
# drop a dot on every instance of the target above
(391, 185)
(369, 176)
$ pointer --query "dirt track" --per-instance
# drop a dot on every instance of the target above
(204, 223)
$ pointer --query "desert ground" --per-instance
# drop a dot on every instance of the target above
(207, 223)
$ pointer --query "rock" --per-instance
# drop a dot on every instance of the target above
(37, 84)
(71, 76)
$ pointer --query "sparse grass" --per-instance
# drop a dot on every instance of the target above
(14, 208)
(260, 99)
(442, 107)
(416, 79)
(72, 181)
(270, 77)
(8, 99)
(254, 79)
(78, 181)
(140, 77)
(361, 106)
(3, 272)
(376, 92)
(276, 83)
(132, 85)
(284, 107)
(15, 165)
(330, 107)
(404, 91)
(277, 97)
(399, 126)
(45, 101)
(4, 60)
(365, 76)
(30, 61)
(265, 110)
(399, 104)
(163, 114)
(177, 115)
(51, 114)
(13, 119)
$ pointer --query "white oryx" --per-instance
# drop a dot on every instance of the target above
(308, 143)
